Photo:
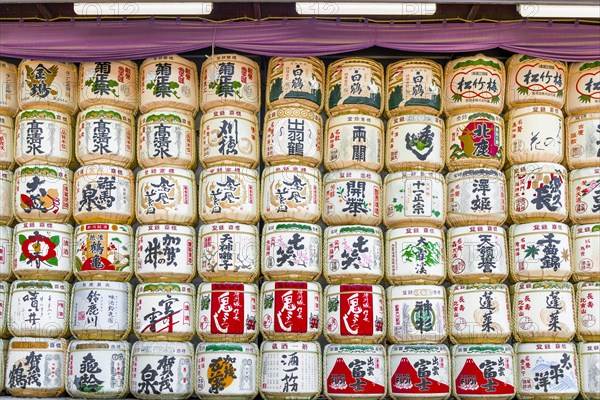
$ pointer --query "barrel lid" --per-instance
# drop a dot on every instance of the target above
(38, 113)
(102, 285)
(171, 57)
(222, 347)
(106, 111)
(84, 345)
(544, 347)
(37, 284)
(470, 349)
(352, 174)
(175, 348)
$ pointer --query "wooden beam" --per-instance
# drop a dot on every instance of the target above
(43, 10)
(473, 12)
(257, 11)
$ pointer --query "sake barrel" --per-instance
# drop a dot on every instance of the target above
(162, 370)
(165, 253)
(475, 139)
(166, 195)
(536, 134)
(43, 137)
(7, 143)
(414, 198)
(354, 141)
(112, 83)
(474, 83)
(230, 80)
(476, 196)
(290, 370)
(104, 252)
(416, 314)
(543, 311)
(477, 254)
(291, 250)
(229, 136)
(168, 81)
(42, 250)
(229, 194)
(584, 193)
(228, 252)
(292, 135)
(355, 85)
(6, 245)
(354, 371)
(166, 137)
(413, 86)
(547, 371)
(583, 138)
(415, 141)
(583, 89)
(586, 252)
(227, 370)
(588, 301)
(36, 367)
(98, 369)
(352, 197)
(291, 193)
(8, 89)
(39, 308)
(538, 192)
(227, 312)
(103, 193)
(483, 371)
(479, 313)
(418, 371)
(295, 82)
(101, 310)
(291, 310)
(4, 290)
(415, 256)
(48, 85)
(589, 359)
(532, 80)
(164, 311)
(105, 135)
(353, 254)
(6, 197)
(355, 313)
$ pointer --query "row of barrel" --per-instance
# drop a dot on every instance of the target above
(103, 193)
(293, 135)
(292, 311)
(284, 370)
(231, 252)
(477, 82)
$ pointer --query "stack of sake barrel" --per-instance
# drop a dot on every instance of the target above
(291, 258)
(166, 208)
(583, 160)
(543, 312)
(103, 250)
(40, 198)
(354, 362)
(477, 204)
(8, 109)
(227, 362)
(415, 212)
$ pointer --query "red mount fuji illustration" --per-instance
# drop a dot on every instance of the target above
(340, 379)
(405, 379)
(470, 380)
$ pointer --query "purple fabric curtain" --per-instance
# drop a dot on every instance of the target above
(114, 40)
